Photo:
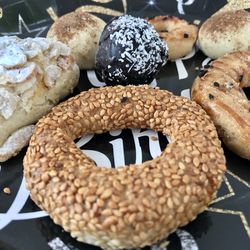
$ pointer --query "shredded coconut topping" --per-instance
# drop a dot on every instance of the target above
(130, 52)
(142, 44)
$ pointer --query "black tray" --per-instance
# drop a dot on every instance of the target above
(223, 226)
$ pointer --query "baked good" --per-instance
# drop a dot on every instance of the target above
(35, 73)
(225, 32)
(219, 91)
(130, 52)
(15, 142)
(81, 31)
(179, 35)
(132, 206)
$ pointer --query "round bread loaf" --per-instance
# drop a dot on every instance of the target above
(35, 73)
(225, 32)
(81, 31)
(133, 206)
(179, 35)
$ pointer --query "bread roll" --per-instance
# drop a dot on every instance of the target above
(81, 31)
(225, 32)
(219, 91)
(35, 73)
(179, 35)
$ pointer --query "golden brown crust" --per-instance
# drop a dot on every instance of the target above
(132, 206)
(218, 91)
(179, 35)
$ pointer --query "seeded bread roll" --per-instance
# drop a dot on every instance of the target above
(219, 91)
(133, 206)
(35, 73)
(225, 32)
(179, 35)
(81, 31)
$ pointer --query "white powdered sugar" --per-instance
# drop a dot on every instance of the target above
(23, 64)
(52, 73)
(20, 74)
(8, 103)
(12, 56)
(16, 56)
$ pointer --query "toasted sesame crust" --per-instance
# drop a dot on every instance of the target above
(219, 92)
(179, 35)
(132, 206)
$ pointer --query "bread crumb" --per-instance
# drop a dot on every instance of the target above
(154, 138)
(197, 22)
(164, 244)
(6, 190)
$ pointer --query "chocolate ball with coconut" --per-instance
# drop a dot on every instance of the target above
(130, 52)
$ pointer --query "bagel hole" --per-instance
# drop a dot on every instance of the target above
(119, 148)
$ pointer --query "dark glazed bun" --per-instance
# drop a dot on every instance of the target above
(130, 52)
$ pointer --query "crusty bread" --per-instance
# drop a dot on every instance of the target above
(225, 32)
(218, 91)
(81, 31)
(179, 35)
(137, 205)
(34, 75)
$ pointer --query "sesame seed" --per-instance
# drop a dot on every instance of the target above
(6, 190)
(84, 198)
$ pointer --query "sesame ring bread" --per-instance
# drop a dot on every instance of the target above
(179, 35)
(35, 73)
(219, 92)
(80, 31)
(225, 32)
(132, 206)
